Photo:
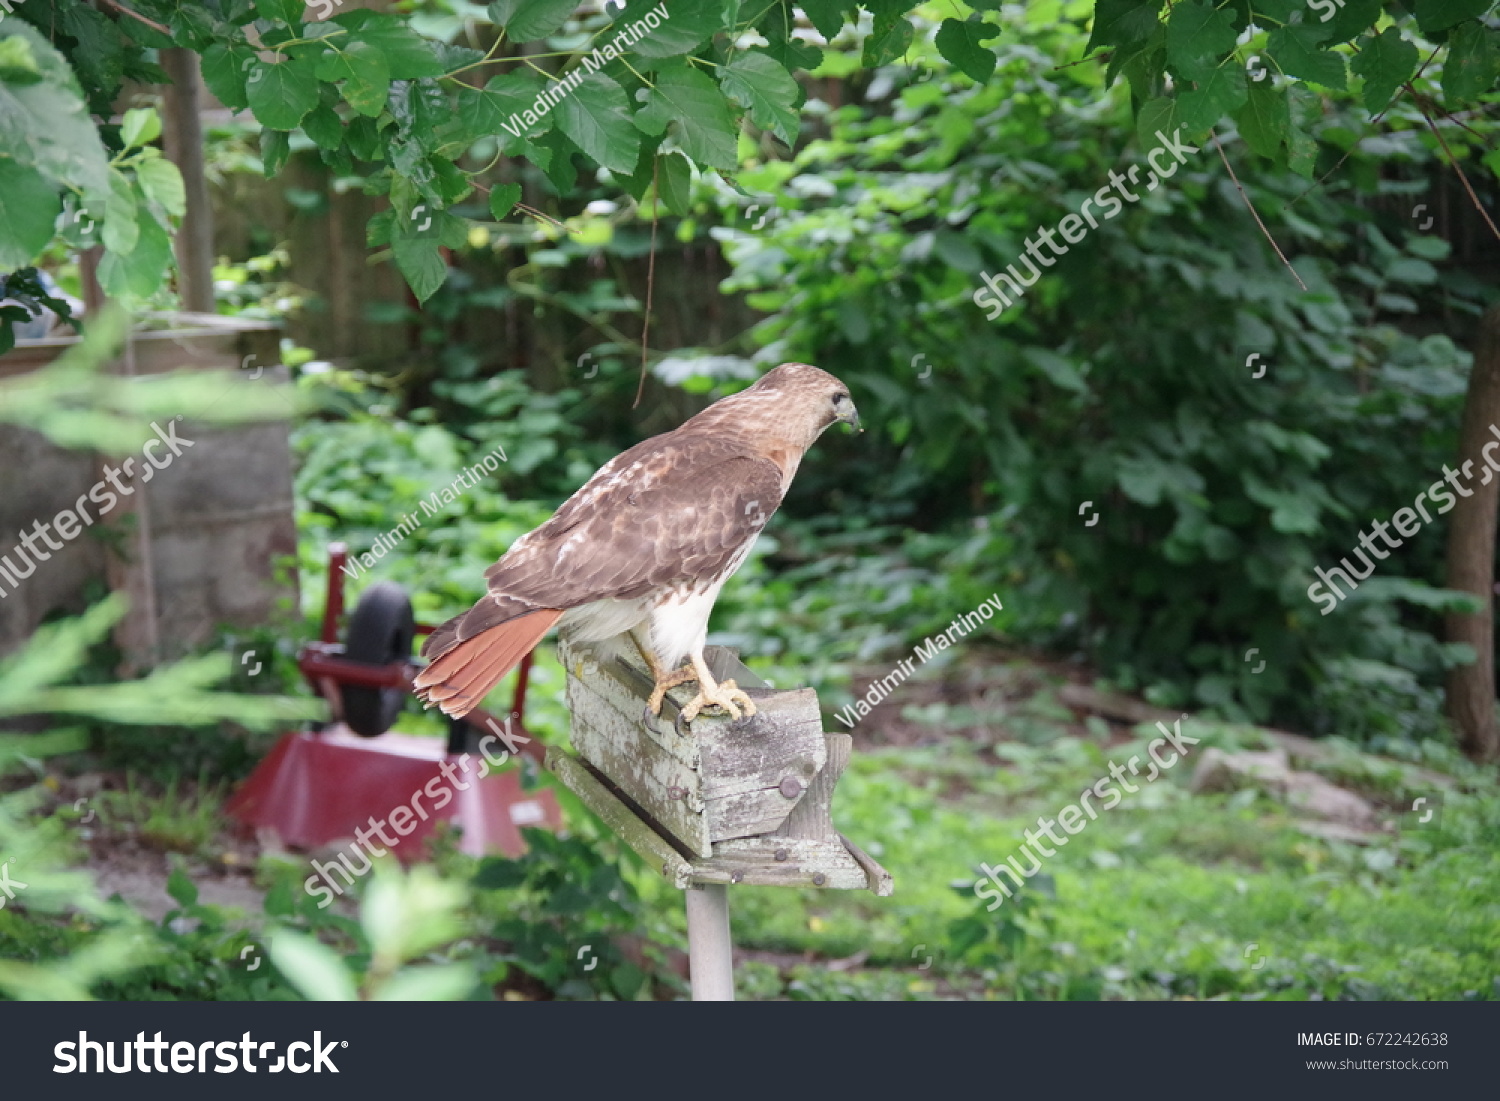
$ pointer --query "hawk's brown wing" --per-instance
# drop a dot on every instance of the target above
(675, 508)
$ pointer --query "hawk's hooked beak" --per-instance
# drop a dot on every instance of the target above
(844, 411)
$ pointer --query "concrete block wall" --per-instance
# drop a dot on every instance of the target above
(195, 547)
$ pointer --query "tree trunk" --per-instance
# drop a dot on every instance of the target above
(182, 134)
(1471, 555)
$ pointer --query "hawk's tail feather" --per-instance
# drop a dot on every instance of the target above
(462, 674)
(492, 611)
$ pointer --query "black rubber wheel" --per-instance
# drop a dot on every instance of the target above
(380, 632)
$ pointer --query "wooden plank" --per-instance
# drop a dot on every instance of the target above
(746, 814)
(723, 780)
(654, 849)
(876, 878)
(783, 740)
(802, 863)
(659, 783)
(756, 861)
(622, 689)
(812, 817)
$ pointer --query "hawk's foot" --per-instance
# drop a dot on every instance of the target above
(725, 694)
(665, 682)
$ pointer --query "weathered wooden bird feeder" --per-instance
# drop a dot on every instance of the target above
(716, 803)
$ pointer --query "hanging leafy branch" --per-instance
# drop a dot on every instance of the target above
(1192, 63)
(650, 91)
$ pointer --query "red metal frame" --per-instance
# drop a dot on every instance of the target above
(320, 661)
(316, 788)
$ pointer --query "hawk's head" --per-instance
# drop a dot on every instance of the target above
(812, 395)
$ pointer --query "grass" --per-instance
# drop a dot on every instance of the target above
(1168, 895)
(185, 822)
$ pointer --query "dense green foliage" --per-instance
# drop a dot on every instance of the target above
(1124, 378)
(649, 101)
(1103, 455)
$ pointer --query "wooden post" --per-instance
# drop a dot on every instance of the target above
(715, 803)
(710, 953)
(182, 135)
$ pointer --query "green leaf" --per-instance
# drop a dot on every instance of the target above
(1120, 22)
(791, 54)
(1439, 15)
(690, 24)
(889, 39)
(46, 124)
(1265, 118)
(675, 182)
(448, 982)
(18, 62)
(140, 126)
(1143, 64)
(553, 154)
(282, 11)
(756, 82)
(960, 44)
(29, 207)
(364, 139)
(1158, 115)
(323, 126)
(192, 26)
(596, 116)
(181, 888)
(1296, 51)
(275, 147)
(121, 229)
(99, 56)
(1386, 63)
(421, 263)
(503, 198)
(1221, 93)
(1469, 69)
(1301, 151)
(1198, 37)
(705, 128)
(485, 112)
(528, 20)
(1354, 17)
(366, 76)
(282, 95)
(827, 15)
(313, 968)
(146, 267)
(408, 56)
(224, 73)
(162, 184)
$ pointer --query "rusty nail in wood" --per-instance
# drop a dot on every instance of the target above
(791, 787)
(676, 793)
(781, 854)
(819, 879)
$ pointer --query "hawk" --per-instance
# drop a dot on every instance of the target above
(642, 550)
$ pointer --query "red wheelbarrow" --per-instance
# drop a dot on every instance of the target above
(319, 787)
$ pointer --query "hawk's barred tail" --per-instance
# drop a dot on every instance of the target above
(459, 678)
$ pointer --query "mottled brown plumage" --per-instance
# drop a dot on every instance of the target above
(644, 546)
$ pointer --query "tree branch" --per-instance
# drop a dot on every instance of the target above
(1473, 198)
(152, 23)
(1251, 207)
